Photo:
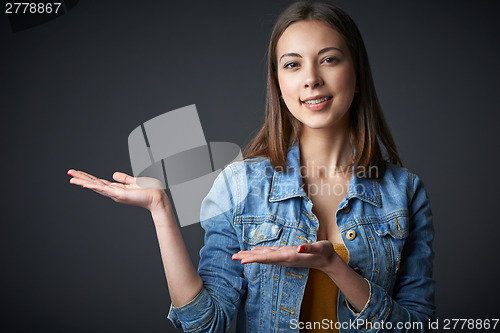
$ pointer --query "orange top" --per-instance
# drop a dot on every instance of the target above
(320, 298)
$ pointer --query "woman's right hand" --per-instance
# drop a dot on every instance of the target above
(149, 195)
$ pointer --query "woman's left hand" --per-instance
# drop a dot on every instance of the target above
(318, 255)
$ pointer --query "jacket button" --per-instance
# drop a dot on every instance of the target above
(350, 235)
(346, 209)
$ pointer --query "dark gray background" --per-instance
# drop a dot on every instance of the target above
(72, 89)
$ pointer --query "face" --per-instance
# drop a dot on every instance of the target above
(316, 74)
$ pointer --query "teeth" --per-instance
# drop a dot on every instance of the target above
(316, 101)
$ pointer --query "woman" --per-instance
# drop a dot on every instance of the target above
(314, 229)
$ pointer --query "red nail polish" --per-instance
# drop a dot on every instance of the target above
(70, 175)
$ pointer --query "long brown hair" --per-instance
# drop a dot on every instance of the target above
(367, 123)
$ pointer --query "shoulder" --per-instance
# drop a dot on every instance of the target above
(244, 176)
(395, 176)
(254, 169)
(400, 187)
(234, 183)
(399, 184)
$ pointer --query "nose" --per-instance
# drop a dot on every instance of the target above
(312, 78)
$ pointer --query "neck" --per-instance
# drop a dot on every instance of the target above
(325, 150)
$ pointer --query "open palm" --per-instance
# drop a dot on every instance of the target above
(315, 255)
(125, 190)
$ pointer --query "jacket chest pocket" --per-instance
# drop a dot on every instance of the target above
(259, 234)
(392, 234)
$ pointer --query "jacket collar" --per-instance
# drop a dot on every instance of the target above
(288, 183)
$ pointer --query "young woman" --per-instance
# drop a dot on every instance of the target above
(315, 229)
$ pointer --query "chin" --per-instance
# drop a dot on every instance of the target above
(320, 122)
(317, 125)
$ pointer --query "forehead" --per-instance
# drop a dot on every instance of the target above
(309, 36)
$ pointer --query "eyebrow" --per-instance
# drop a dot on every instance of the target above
(320, 52)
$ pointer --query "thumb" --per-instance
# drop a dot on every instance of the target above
(123, 178)
(306, 248)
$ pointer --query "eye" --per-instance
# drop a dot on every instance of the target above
(291, 65)
(331, 60)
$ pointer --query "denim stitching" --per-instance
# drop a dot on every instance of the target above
(309, 215)
(188, 303)
(238, 194)
(275, 219)
(398, 227)
(358, 221)
(291, 311)
(307, 240)
(235, 211)
(297, 276)
(192, 329)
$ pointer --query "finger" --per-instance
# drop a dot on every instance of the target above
(85, 176)
(254, 258)
(103, 189)
(237, 256)
(104, 181)
(308, 248)
(96, 185)
(247, 256)
(264, 248)
(80, 174)
(83, 181)
(124, 178)
(86, 183)
(278, 256)
(269, 258)
(242, 255)
(79, 181)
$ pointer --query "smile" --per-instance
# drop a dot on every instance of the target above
(317, 100)
(317, 103)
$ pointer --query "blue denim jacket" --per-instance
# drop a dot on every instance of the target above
(385, 225)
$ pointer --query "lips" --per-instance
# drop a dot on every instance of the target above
(316, 99)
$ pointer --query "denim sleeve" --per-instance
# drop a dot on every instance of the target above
(223, 284)
(412, 302)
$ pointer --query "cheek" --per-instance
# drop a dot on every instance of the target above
(286, 87)
(346, 80)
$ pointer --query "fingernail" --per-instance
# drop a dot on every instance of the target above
(84, 186)
(70, 175)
